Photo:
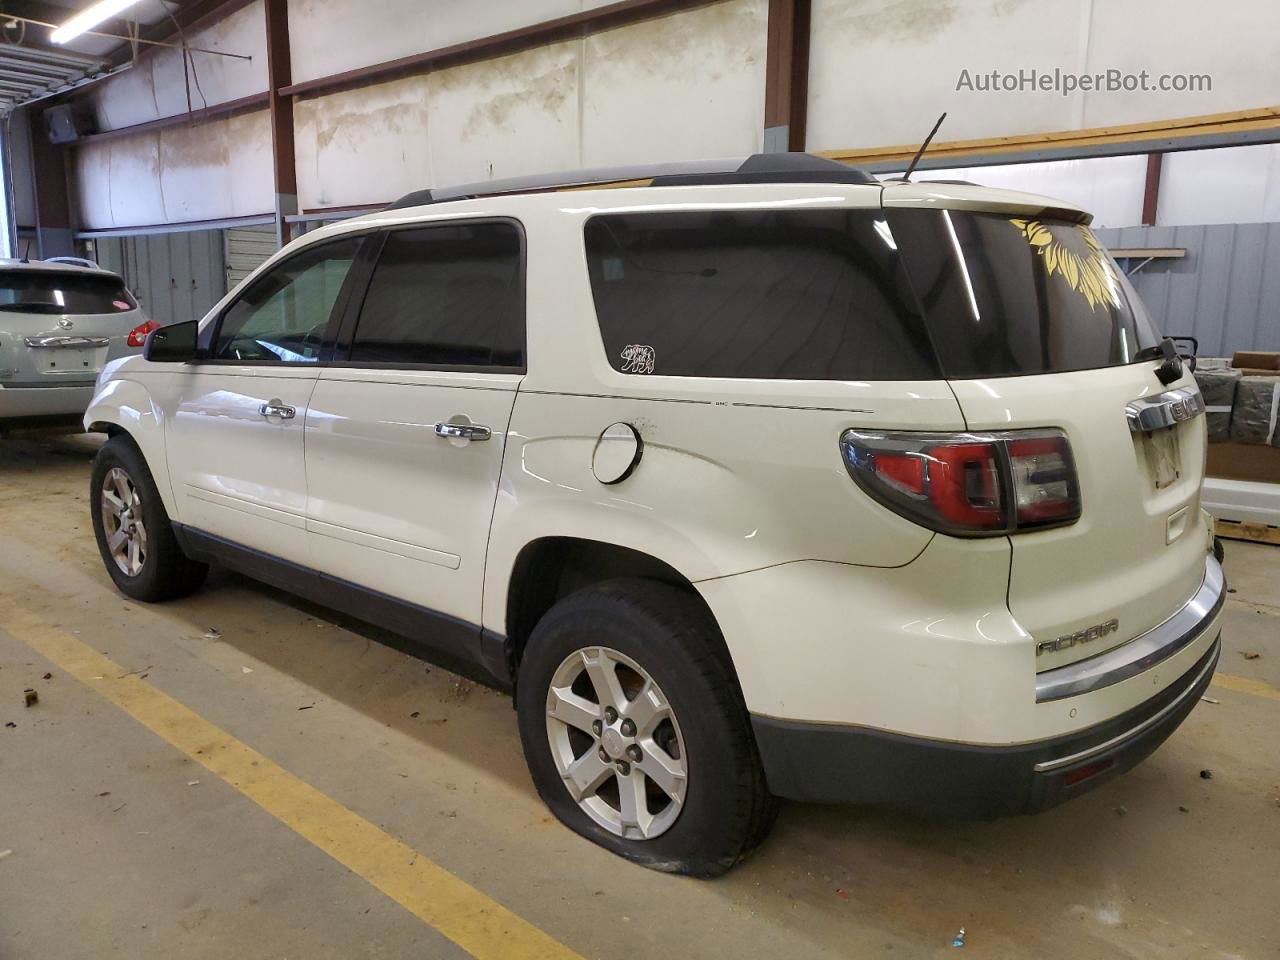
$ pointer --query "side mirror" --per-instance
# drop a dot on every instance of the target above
(176, 343)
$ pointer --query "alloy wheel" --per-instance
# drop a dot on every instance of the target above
(123, 522)
(616, 743)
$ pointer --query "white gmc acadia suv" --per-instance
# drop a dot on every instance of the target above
(751, 479)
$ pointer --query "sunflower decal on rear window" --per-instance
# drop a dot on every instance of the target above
(1072, 252)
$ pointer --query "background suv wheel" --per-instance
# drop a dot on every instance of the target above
(635, 732)
(133, 530)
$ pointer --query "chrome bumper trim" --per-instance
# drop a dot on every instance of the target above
(1142, 652)
(56, 343)
(1048, 766)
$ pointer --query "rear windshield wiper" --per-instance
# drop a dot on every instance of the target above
(1155, 352)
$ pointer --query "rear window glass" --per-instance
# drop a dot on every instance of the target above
(1008, 296)
(445, 296)
(769, 294)
(63, 293)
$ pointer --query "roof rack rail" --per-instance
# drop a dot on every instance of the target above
(757, 168)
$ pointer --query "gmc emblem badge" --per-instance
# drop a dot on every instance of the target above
(1086, 635)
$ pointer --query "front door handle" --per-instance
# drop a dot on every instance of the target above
(451, 430)
(277, 408)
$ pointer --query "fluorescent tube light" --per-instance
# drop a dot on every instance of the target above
(90, 18)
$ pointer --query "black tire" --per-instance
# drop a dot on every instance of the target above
(1219, 549)
(166, 572)
(727, 809)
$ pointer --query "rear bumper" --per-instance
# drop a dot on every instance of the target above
(36, 403)
(828, 763)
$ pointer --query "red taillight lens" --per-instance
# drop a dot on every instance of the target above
(138, 335)
(968, 484)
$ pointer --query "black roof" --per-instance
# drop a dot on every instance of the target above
(757, 168)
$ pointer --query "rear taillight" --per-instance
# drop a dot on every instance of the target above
(138, 335)
(968, 484)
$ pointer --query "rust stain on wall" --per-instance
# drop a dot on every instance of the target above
(896, 21)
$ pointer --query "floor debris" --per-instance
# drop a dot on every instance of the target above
(212, 634)
(1250, 654)
(31, 697)
(1210, 700)
(10, 724)
(958, 939)
(246, 669)
(1183, 809)
(193, 783)
(5, 853)
(1206, 774)
(307, 707)
(47, 676)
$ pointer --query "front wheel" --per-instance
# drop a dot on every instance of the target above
(634, 730)
(133, 531)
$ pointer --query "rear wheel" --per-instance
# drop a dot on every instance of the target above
(634, 730)
(133, 531)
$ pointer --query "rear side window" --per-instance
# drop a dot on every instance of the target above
(63, 293)
(445, 296)
(769, 294)
(1009, 296)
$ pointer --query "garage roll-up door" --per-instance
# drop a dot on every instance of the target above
(247, 247)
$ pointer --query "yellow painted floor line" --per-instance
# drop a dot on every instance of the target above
(1245, 685)
(476, 923)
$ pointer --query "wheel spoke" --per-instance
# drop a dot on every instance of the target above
(117, 540)
(603, 671)
(140, 532)
(664, 770)
(111, 503)
(586, 774)
(648, 709)
(634, 804)
(135, 562)
(571, 709)
(124, 489)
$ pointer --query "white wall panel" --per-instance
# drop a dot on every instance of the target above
(690, 85)
(363, 146)
(507, 117)
(882, 70)
(217, 169)
(156, 87)
(1231, 185)
(676, 88)
(331, 36)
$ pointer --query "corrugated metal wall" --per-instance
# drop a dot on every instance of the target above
(175, 276)
(246, 249)
(1226, 291)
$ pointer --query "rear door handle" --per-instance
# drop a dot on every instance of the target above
(277, 408)
(462, 431)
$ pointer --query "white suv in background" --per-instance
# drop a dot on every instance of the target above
(61, 321)
(753, 479)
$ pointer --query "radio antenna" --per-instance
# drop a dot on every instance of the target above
(906, 177)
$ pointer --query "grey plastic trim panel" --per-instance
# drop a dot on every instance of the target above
(1145, 650)
(1192, 689)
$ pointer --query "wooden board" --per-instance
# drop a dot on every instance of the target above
(1253, 532)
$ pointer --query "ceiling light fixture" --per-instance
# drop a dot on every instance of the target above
(90, 18)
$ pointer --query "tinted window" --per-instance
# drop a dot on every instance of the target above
(63, 293)
(1008, 296)
(448, 296)
(804, 295)
(282, 317)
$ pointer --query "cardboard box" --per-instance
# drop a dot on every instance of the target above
(1244, 461)
(1249, 360)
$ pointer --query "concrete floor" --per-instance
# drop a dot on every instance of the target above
(116, 853)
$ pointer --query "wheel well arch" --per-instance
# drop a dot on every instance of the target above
(107, 427)
(550, 568)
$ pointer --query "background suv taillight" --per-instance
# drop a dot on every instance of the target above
(968, 484)
(138, 335)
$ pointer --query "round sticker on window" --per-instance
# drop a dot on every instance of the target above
(120, 305)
